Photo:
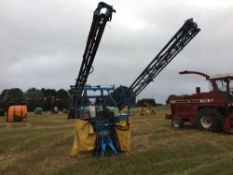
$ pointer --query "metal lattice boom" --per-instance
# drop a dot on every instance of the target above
(185, 34)
(101, 16)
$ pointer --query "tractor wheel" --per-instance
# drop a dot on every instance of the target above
(177, 122)
(209, 120)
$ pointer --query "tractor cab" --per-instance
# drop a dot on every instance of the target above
(223, 83)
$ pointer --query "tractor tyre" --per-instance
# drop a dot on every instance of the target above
(177, 122)
(209, 120)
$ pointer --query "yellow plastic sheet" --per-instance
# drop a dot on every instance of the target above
(84, 139)
(123, 136)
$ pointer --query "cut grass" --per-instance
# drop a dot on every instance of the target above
(42, 146)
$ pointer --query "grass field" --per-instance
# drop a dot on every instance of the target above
(42, 146)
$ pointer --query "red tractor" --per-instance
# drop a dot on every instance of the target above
(208, 111)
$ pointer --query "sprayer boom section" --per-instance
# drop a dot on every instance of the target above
(102, 15)
(185, 34)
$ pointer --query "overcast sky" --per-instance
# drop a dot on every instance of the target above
(42, 43)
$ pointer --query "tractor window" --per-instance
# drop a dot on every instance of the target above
(222, 85)
(225, 85)
(210, 86)
(231, 86)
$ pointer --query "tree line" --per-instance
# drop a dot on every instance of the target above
(45, 98)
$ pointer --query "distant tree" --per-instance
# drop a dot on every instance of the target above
(4, 99)
(11, 96)
(15, 96)
(34, 98)
(145, 101)
(49, 97)
(62, 99)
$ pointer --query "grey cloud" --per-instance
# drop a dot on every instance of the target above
(42, 42)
